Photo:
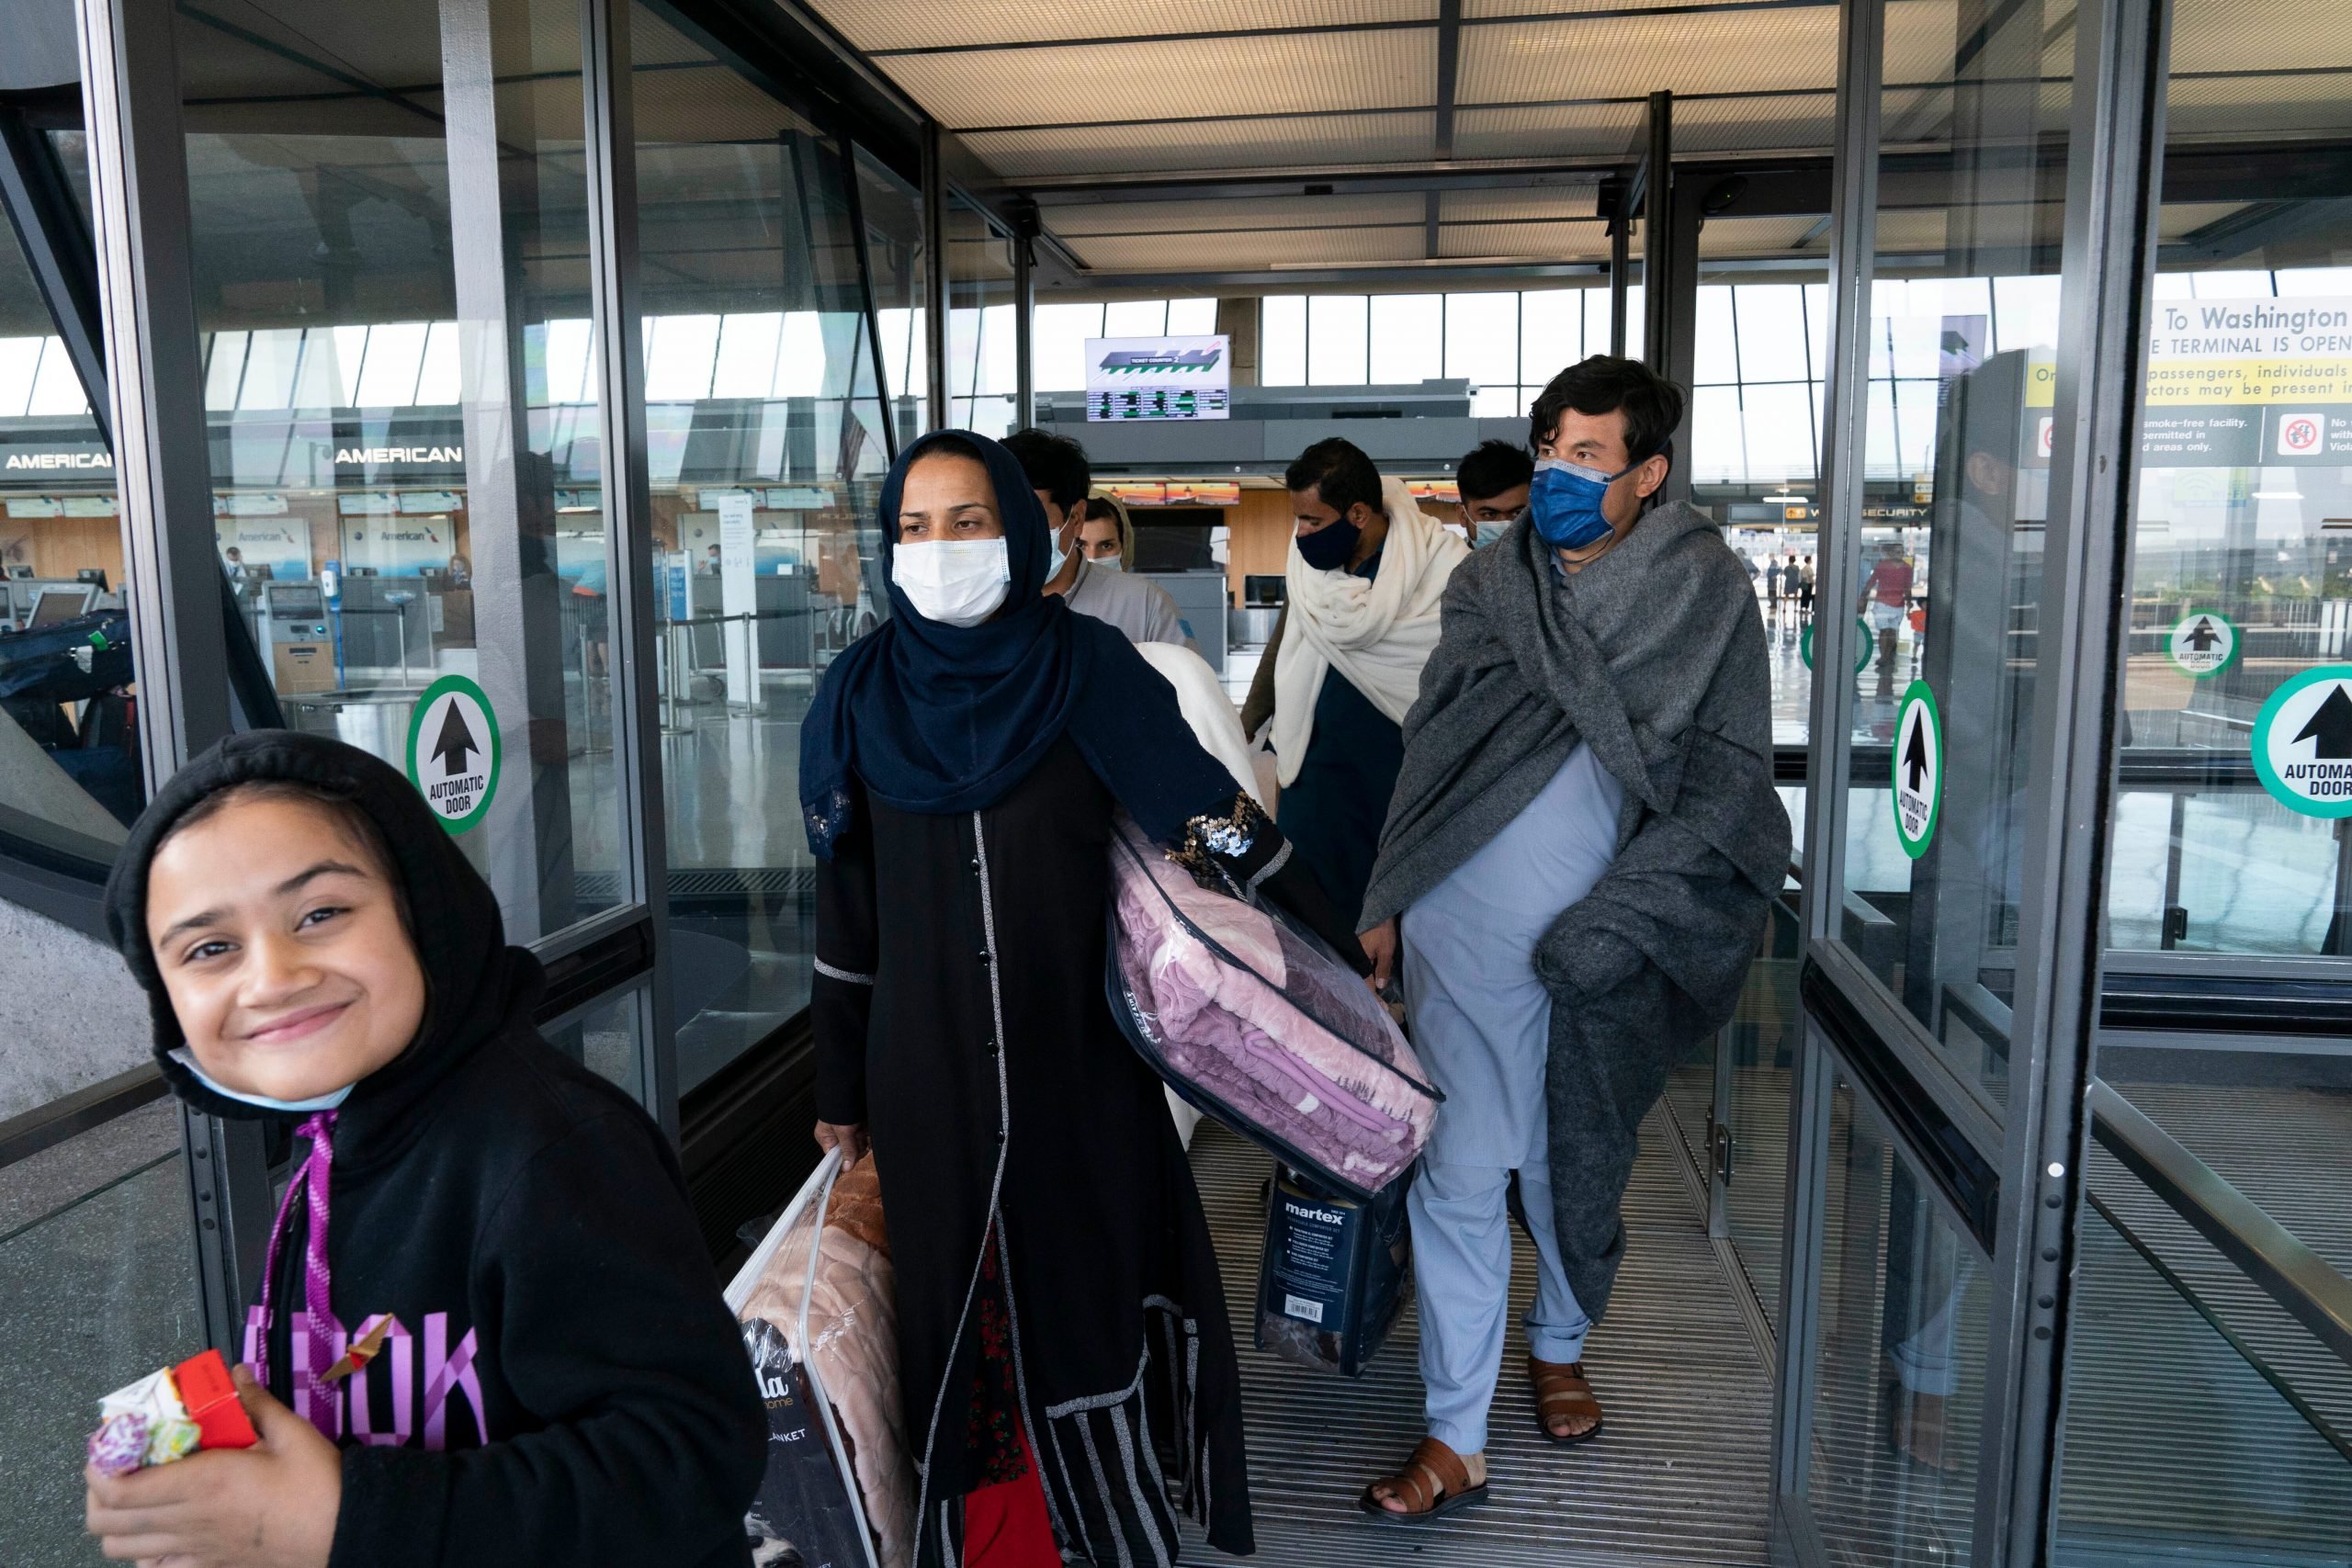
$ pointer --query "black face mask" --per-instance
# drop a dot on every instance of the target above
(1329, 546)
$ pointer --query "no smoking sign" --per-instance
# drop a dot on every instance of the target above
(453, 751)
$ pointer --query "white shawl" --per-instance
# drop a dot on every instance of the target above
(1206, 709)
(1379, 633)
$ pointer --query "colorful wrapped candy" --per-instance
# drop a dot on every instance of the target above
(119, 1445)
(168, 1440)
(169, 1414)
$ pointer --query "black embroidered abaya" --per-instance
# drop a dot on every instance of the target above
(1000, 1098)
(959, 785)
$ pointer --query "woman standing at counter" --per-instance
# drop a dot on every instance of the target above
(1060, 1314)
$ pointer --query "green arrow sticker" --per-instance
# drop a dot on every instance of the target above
(1919, 768)
(2202, 643)
(2302, 742)
(1862, 642)
(454, 751)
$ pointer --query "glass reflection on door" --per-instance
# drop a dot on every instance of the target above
(2230, 872)
(1963, 318)
(391, 515)
(1898, 1396)
(766, 444)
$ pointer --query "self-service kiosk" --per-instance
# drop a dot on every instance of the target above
(302, 644)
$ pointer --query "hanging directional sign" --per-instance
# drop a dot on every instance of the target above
(453, 751)
(1862, 640)
(1919, 768)
(2202, 643)
(2302, 742)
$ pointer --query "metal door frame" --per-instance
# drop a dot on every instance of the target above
(2029, 1191)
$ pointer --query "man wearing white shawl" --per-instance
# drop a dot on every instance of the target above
(1367, 573)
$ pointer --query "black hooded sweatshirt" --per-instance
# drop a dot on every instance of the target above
(566, 1384)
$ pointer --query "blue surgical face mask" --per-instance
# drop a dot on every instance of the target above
(1490, 532)
(1565, 502)
(187, 1058)
(1329, 547)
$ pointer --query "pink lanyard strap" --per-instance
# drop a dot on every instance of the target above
(320, 1327)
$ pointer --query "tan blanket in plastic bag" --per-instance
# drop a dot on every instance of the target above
(853, 1347)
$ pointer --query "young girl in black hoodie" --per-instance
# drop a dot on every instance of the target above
(488, 1333)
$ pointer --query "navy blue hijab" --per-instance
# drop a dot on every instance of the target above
(945, 719)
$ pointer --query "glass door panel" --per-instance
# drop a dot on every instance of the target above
(1898, 1386)
(2229, 975)
(406, 458)
(766, 444)
(1962, 333)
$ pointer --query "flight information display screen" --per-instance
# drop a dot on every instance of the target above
(1157, 378)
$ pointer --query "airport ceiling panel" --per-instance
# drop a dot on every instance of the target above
(1788, 121)
(1248, 250)
(244, 48)
(875, 26)
(654, 42)
(1227, 145)
(1192, 217)
(2259, 107)
(1922, 38)
(1619, 55)
(1480, 10)
(706, 104)
(2179, 220)
(1581, 240)
(1727, 238)
(1548, 130)
(1283, 74)
(2259, 35)
(1909, 231)
(1552, 203)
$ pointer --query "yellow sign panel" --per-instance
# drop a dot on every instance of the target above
(2203, 352)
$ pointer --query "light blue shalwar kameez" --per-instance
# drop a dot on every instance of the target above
(1482, 1024)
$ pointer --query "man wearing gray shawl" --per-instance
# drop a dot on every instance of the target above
(1574, 875)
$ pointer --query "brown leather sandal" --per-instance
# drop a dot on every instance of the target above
(1561, 1389)
(1434, 1480)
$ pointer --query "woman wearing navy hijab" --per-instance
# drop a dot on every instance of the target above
(1060, 1311)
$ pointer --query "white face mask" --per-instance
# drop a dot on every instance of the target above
(1105, 563)
(957, 582)
(187, 1058)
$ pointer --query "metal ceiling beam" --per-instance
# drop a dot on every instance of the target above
(57, 247)
(1449, 67)
(2258, 227)
(1696, 7)
(1322, 179)
(1380, 277)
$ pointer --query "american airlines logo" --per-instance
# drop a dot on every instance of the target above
(1158, 361)
(60, 460)
(375, 454)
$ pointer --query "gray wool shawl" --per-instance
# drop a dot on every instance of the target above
(1655, 656)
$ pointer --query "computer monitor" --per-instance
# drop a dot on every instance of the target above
(55, 604)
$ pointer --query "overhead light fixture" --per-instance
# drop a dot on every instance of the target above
(2278, 495)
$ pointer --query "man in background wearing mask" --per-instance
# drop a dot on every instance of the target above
(1493, 481)
(1582, 848)
(1057, 470)
(1367, 569)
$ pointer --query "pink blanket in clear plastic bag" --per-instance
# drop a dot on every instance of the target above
(1261, 1025)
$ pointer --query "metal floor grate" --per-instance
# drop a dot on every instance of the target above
(1680, 1476)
